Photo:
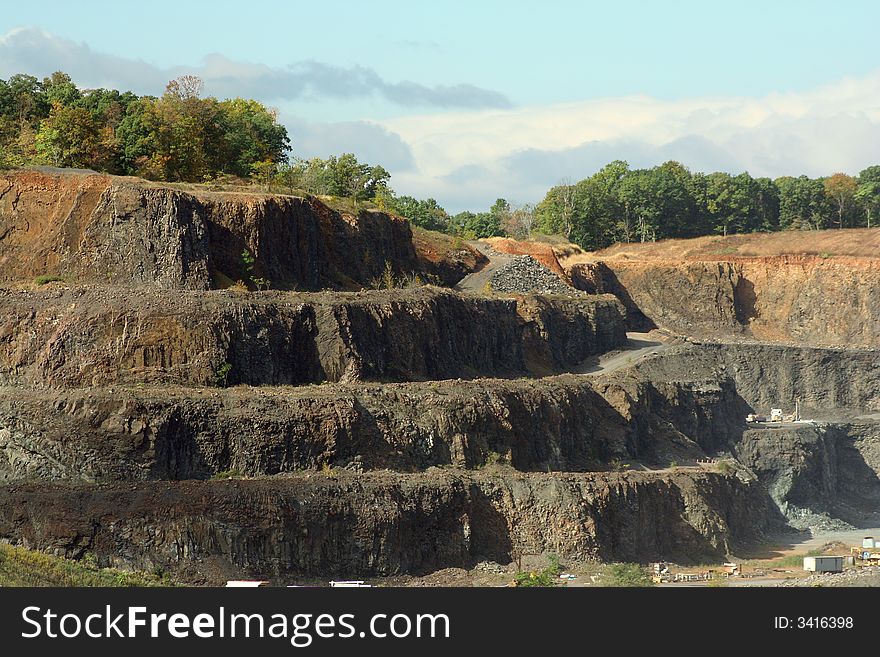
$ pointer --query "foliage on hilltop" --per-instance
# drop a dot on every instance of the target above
(182, 137)
(179, 136)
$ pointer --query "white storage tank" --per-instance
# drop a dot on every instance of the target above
(823, 564)
(868, 542)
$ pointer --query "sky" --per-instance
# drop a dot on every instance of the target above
(467, 102)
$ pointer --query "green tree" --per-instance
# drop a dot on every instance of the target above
(189, 139)
(341, 176)
(426, 214)
(766, 204)
(554, 215)
(138, 137)
(868, 193)
(733, 202)
(69, 137)
(641, 212)
(7, 100)
(841, 189)
(629, 574)
(677, 207)
(472, 225)
(28, 103)
(59, 88)
(251, 135)
(802, 203)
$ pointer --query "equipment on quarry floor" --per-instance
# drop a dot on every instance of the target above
(826, 564)
(867, 552)
(661, 573)
(776, 415)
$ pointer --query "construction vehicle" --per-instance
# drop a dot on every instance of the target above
(777, 416)
(869, 552)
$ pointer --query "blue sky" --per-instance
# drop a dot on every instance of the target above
(468, 101)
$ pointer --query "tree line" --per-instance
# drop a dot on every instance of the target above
(619, 204)
(178, 136)
(181, 136)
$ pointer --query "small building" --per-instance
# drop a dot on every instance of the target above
(823, 564)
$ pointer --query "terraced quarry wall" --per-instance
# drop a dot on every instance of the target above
(385, 524)
(812, 300)
(567, 423)
(153, 422)
(824, 475)
(99, 228)
(829, 383)
(101, 335)
(819, 475)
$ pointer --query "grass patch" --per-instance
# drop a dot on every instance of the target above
(439, 243)
(48, 278)
(388, 280)
(547, 577)
(22, 567)
(718, 582)
(232, 473)
(628, 575)
(495, 460)
(723, 467)
(790, 561)
(221, 374)
(347, 205)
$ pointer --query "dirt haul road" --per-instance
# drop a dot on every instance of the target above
(477, 281)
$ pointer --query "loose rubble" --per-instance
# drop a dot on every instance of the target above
(524, 274)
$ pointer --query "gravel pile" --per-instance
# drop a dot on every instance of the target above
(525, 275)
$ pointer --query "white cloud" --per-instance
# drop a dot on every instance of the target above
(468, 157)
(519, 153)
(370, 142)
(40, 53)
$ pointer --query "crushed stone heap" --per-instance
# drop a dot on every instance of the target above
(524, 275)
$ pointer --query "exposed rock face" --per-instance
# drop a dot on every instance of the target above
(96, 336)
(98, 228)
(568, 423)
(387, 524)
(449, 259)
(804, 299)
(117, 430)
(819, 475)
(563, 331)
(598, 278)
(830, 383)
